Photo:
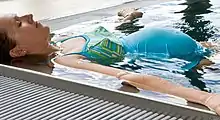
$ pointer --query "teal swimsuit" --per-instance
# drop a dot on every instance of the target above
(166, 43)
(101, 46)
(105, 48)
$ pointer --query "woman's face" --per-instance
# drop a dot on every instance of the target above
(30, 36)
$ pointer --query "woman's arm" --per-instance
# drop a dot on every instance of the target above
(147, 82)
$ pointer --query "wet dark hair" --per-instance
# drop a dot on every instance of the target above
(6, 44)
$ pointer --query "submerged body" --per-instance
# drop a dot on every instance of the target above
(166, 43)
(103, 47)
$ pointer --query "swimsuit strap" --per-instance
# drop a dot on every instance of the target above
(63, 40)
(83, 49)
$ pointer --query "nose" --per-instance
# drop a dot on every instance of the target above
(28, 18)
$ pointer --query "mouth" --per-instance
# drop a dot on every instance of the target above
(38, 24)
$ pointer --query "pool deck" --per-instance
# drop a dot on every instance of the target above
(63, 22)
(28, 95)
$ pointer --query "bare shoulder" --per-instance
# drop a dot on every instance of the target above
(70, 60)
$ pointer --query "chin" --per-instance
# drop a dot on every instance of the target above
(47, 29)
(47, 32)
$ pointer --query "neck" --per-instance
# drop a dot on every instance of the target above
(46, 51)
(51, 49)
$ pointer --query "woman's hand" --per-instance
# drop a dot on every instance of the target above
(213, 103)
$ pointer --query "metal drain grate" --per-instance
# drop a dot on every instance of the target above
(24, 100)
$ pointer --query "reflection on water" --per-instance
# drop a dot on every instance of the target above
(129, 27)
(193, 21)
(194, 79)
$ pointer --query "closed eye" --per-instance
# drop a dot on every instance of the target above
(19, 23)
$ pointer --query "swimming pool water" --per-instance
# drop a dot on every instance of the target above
(199, 20)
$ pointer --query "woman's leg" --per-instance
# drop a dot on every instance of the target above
(207, 44)
(205, 62)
